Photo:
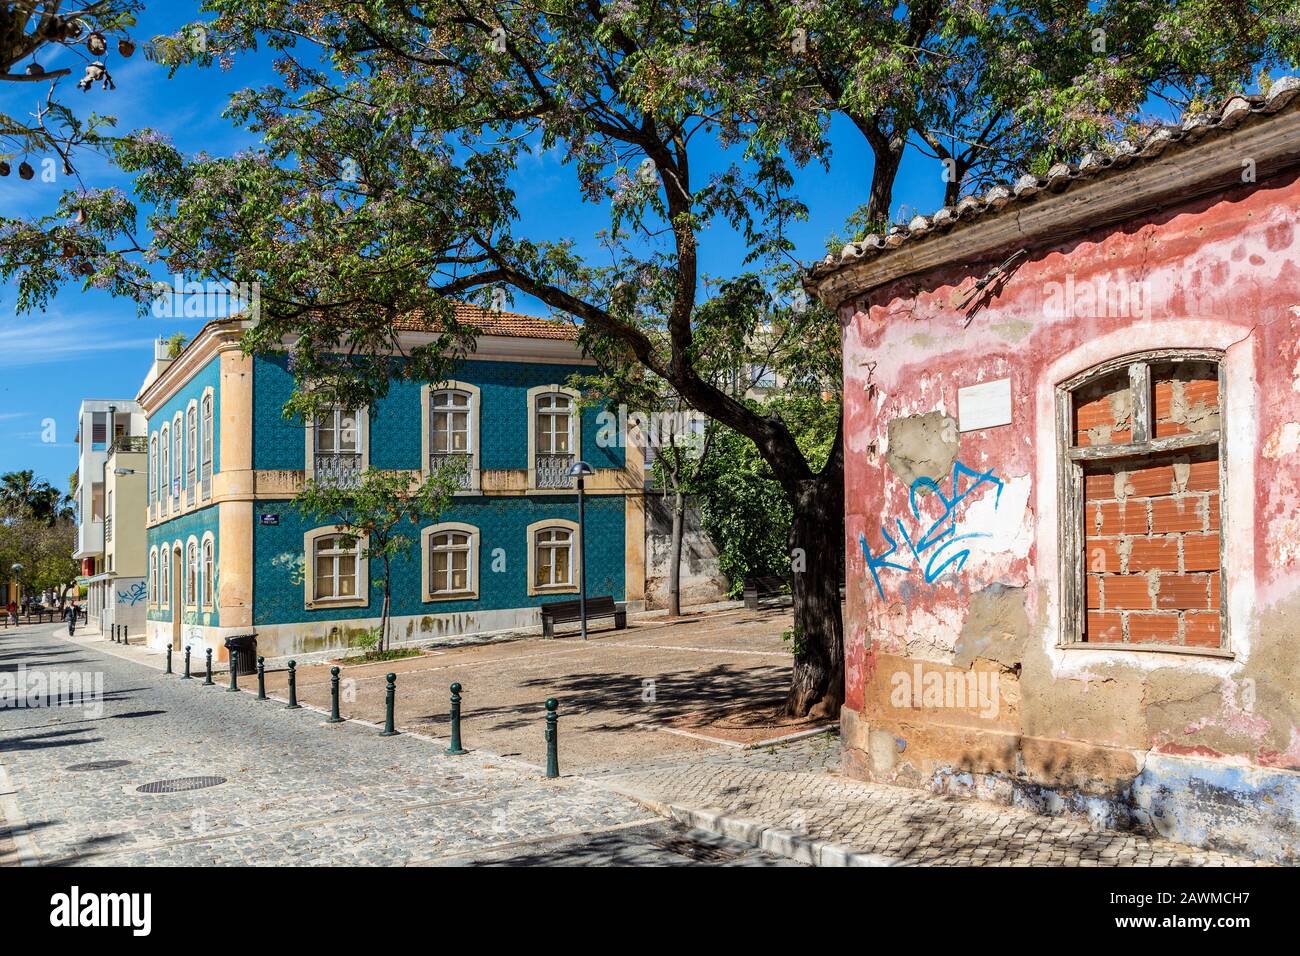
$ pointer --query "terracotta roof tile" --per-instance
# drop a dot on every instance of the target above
(489, 322)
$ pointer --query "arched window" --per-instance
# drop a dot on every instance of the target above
(178, 458)
(209, 571)
(553, 436)
(452, 427)
(450, 562)
(192, 573)
(164, 488)
(153, 576)
(334, 564)
(336, 446)
(206, 443)
(153, 469)
(552, 556)
(191, 452)
(165, 576)
(1141, 447)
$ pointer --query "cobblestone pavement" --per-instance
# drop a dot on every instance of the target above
(793, 794)
(296, 791)
(300, 792)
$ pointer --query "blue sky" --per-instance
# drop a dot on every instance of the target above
(89, 345)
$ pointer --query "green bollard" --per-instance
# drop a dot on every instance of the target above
(169, 660)
(186, 675)
(390, 699)
(454, 749)
(293, 687)
(334, 697)
(261, 678)
(207, 681)
(552, 733)
(234, 671)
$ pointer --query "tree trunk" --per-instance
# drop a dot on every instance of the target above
(817, 550)
(383, 621)
(883, 174)
(675, 556)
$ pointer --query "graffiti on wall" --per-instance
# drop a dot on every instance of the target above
(135, 594)
(933, 544)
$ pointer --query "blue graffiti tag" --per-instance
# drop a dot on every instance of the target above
(134, 596)
(942, 533)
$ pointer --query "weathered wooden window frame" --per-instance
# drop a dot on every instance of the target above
(1071, 459)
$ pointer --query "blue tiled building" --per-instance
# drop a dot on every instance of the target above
(230, 553)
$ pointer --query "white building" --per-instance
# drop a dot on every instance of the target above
(110, 502)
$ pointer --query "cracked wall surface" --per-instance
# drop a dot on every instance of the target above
(954, 537)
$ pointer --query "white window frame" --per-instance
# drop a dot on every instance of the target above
(427, 395)
(153, 577)
(165, 466)
(363, 440)
(192, 446)
(535, 395)
(310, 601)
(207, 568)
(190, 592)
(165, 576)
(427, 547)
(178, 460)
(207, 411)
(153, 469)
(575, 557)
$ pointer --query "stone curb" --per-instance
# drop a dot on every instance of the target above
(764, 836)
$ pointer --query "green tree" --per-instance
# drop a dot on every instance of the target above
(378, 509)
(742, 506)
(22, 497)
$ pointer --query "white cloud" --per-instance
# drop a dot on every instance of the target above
(36, 340)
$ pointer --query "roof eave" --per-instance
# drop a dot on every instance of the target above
(1121, 193)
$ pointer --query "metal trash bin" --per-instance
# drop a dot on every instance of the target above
(246, 645)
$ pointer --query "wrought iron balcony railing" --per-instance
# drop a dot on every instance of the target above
(553, 471)
(131, 443)
(460, 467)
(342, 471)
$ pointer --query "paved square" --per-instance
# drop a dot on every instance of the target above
(615, 690)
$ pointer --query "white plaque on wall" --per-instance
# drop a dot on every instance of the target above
(985, 405)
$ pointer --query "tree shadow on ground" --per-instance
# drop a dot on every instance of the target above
(47, 740)
(626, 700)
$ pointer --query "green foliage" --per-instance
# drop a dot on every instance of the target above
(22, 497)
(377, 508)
(367, 640)
(176, 345)
(743, 508)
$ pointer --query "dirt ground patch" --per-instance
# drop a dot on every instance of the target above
(615, 691)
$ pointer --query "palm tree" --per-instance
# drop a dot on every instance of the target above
(22, 496)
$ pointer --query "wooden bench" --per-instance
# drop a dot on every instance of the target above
(566, 612)
(763, 587)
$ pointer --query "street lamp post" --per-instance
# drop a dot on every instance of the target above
(580, 470)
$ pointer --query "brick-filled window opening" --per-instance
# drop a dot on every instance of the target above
(1141, 502)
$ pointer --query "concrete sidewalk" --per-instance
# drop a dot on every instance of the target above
(790, 800)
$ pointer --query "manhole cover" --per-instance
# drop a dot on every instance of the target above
(180, 784)
(100, 765)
